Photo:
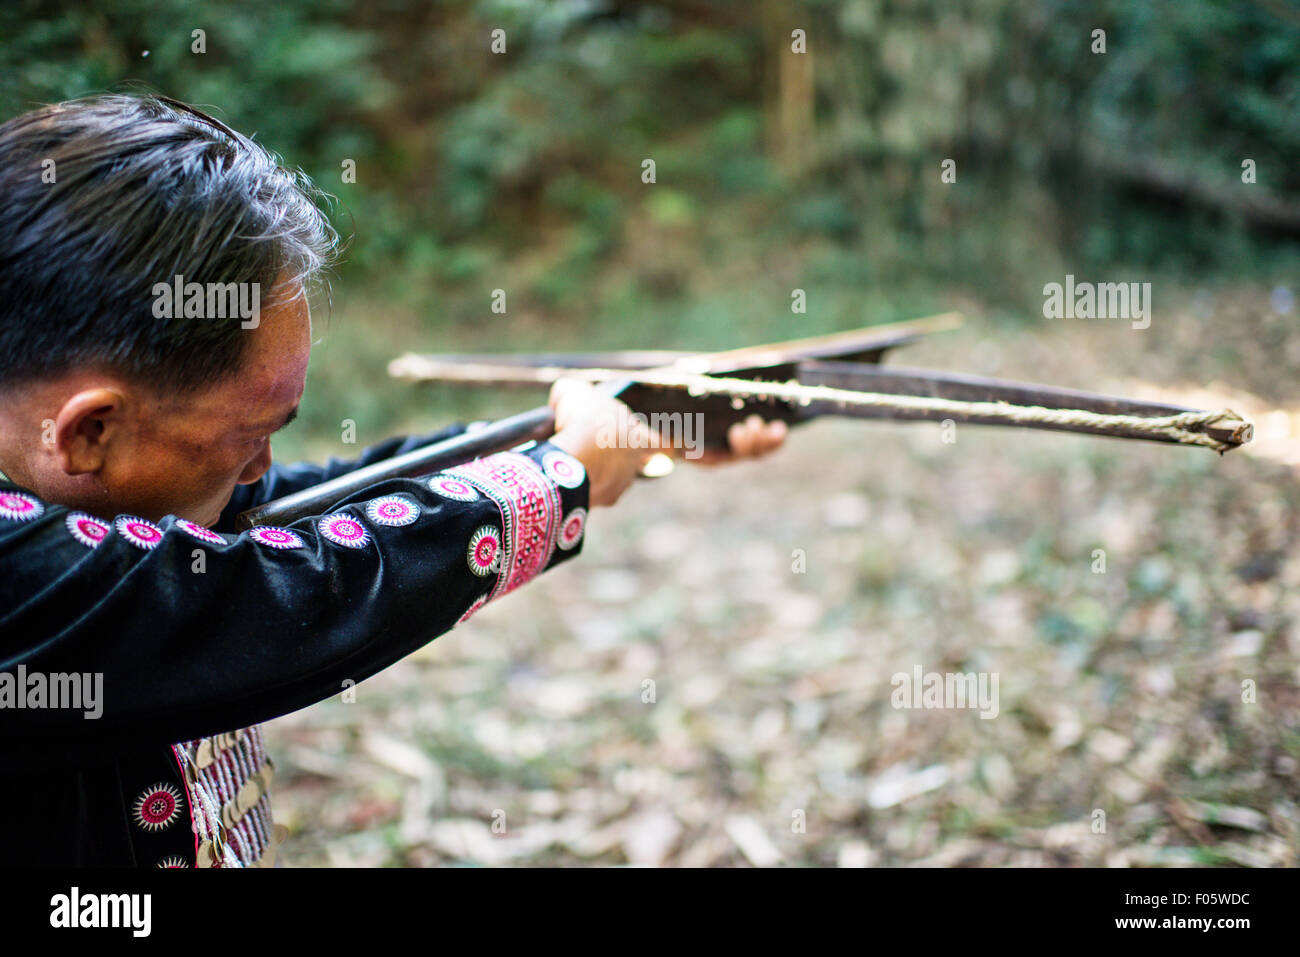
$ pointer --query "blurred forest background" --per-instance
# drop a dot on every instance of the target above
(775, 170)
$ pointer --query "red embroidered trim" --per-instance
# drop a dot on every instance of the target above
(469, 612)
(530, 514)
(231, 768)
(178, 754)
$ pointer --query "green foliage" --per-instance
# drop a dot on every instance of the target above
(523, 170)
(294, 74)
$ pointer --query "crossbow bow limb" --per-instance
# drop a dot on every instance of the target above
(795, 381)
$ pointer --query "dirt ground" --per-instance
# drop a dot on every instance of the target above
(687, 694)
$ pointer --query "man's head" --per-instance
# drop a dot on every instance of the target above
(115, 395)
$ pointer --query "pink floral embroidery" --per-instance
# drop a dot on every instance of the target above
(137, 531)
(86, 529)
(344, 531)
(392, 510)
(157, 807)
(485, 551)
(19, 507)
(273, 537)
(199, 532)
(453, 488)
(571, 530)
(530, 505)
(563, 468)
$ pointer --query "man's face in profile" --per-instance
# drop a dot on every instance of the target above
(190, 452)
(187, 453)
(122, 446)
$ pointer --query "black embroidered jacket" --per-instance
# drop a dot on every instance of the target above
(196, 632)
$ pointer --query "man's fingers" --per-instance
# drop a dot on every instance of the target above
(564, 389)
(753, 437)
(738, 437)
(773, 436)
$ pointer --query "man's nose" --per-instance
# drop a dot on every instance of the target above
(255, 469)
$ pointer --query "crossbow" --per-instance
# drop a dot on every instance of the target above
(795, 381)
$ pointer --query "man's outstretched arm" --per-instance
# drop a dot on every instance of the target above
(196, 632)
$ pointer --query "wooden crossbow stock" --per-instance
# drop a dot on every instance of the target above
(795, 381)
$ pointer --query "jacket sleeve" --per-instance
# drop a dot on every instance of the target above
(196, 632)
(281, 480)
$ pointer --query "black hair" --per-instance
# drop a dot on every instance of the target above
(144, 188)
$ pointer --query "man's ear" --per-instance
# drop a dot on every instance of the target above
(84, 428)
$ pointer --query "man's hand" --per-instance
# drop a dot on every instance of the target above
(614, 446)
(601, 433)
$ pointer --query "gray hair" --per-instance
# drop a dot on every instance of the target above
(103, 197)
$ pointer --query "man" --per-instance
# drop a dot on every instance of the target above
(137, 627)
